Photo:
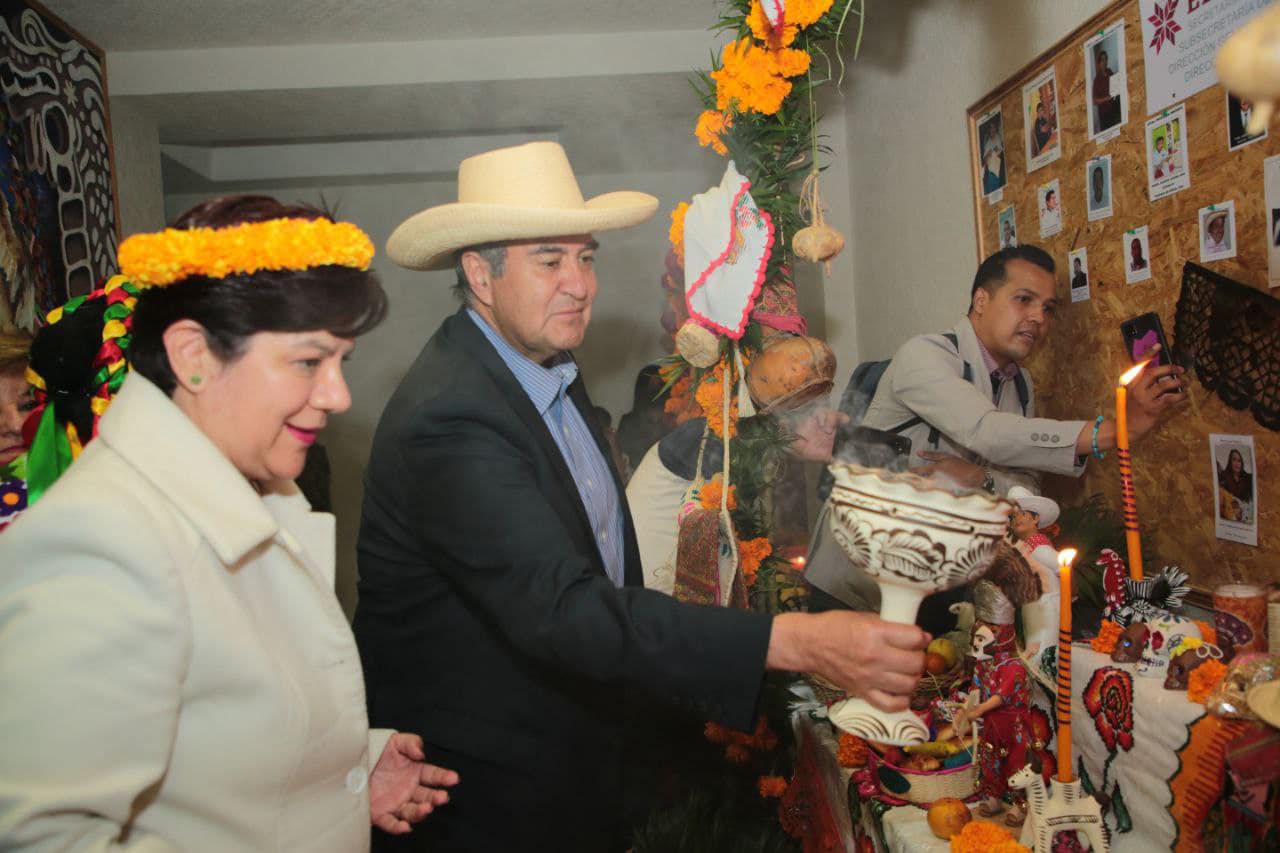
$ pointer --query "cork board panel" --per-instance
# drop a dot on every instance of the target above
(1076, 371)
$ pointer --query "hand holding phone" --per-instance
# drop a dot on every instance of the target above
(1142, 335)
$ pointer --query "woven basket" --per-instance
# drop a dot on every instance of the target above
(926, 786)
(931, 687)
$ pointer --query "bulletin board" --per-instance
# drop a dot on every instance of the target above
(1076, 371)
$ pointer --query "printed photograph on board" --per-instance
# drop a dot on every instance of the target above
(1040, 120)
(1049, 200)
(1235, 488)
(1137, 255)
(1007, 226)
(1078, 273)
(1167, 171)
(1097, 173)
(1106, 83)
(991, 150)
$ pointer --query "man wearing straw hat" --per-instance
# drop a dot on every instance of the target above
(501, 607)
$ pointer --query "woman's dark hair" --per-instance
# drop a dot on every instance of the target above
(343, 301)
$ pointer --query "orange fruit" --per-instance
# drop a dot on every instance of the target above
(947, 816)
(934, 663)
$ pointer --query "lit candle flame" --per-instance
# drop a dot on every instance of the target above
(1066, 556)
(1133, 372)
(798, 562)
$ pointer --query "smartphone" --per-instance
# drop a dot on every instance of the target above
(1141, 334)
(872, 448)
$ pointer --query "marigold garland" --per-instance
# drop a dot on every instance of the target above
(709, 495)
(154, 260)
(764, 31)
(754, 78)
(852, 751)
(676, 234)
(771, 786)
(1204, 679)
(711, 125)
(751, 554)
(1108, 635)
(982, 837)
(1208, 633)
(710, 396)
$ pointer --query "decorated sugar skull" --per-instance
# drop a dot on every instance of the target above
(1131, 644)
(1167, 632)
(1186, 658)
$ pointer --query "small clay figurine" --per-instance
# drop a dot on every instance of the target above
(1004, 694)
(1026, 527)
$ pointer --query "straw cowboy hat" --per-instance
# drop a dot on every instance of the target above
(513, 193)
(1046, 508)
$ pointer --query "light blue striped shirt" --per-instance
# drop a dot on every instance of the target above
(548, 388)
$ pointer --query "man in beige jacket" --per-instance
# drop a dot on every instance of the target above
(967, 404)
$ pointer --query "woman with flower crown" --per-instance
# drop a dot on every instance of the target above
(177, 672)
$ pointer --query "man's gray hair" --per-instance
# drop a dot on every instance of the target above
(493, 254)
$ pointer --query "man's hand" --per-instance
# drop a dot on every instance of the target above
(860, 652)
(1152, 394)
(403, 788)
(951, 469)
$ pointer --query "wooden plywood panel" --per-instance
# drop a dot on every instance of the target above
(1076, 371)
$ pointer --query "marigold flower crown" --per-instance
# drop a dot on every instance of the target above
(162, 258)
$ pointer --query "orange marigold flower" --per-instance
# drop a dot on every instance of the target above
(717, 733)
(791, 63)
(802, 13)
(678, 397)
(1208, 633)
(710, 396)
(676, 234)
(749, 79)
(1204, 679)
(1108, 636)
(751, 554)
(852, 751)
(711, 125)
(981, 837)
(737, 753)
(771, 786)
(764, 31)
(710, 494)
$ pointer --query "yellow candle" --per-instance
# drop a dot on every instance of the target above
(1064, 665)
(1126, 474)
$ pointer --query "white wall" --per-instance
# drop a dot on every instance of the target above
(924, 62)
(625, 331)
(136, 151)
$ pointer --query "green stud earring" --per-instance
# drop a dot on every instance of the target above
(196, 379)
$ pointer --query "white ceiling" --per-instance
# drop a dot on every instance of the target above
(174, 24)
(609, 79)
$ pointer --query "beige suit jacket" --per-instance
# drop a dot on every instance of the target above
(925, 379)
(176, 672)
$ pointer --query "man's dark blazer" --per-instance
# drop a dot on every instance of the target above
(486, 622)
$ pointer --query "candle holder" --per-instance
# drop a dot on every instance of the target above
(913, 538)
